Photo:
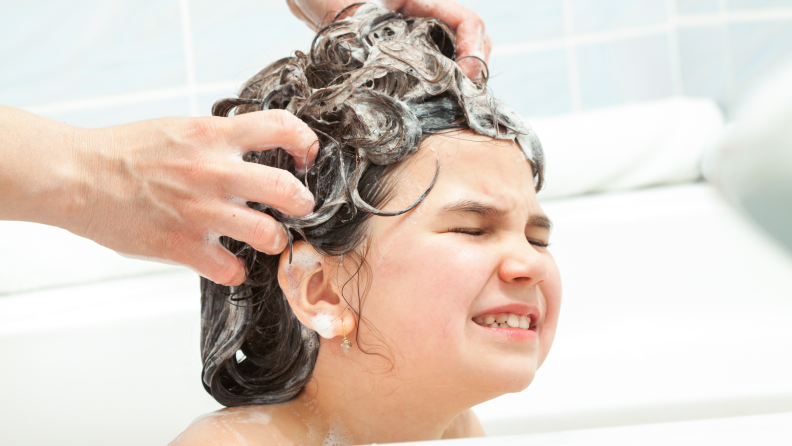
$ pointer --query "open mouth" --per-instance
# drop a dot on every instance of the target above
(505, 320)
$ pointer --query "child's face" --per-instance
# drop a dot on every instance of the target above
(472, 248)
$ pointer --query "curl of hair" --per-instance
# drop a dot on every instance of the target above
(372, 87)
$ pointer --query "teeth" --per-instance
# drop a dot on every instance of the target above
(504, 320)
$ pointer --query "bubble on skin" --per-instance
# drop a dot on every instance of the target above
(212, 239)
(236, 200)
(276, 243)
(337, 435)
(227, 420)
(302, 195)
(304, 260)
(323, 324)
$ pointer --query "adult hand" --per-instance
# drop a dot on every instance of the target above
(162, 189)
(472, 41)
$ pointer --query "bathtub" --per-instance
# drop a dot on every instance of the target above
(674, 321)
(676, 310)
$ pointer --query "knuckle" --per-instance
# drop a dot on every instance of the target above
(283, 186)
(288, 125)
(204, 172)
(262, 232)
(226, 272)
(176, 244)
(206, 131)
(279, 119)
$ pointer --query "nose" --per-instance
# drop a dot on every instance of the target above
(522, 263)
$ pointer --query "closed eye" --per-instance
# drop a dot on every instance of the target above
(469, 231)
(538, 243)
(479, 232)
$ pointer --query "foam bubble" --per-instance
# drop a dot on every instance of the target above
(236, 200)
(304, 260)
(323, 324)
(211, 238)
(337, 435)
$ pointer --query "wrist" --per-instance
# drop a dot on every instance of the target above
(38, 178)
(69, 200)
(56, 196)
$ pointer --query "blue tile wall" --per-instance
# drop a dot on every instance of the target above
(234, 39)
(758, 47)
(207, 100)
(703, 62)
(122, 114)
(695, 7)
(509, 21)
(759, 4)
(534, 84)
(600, 15)
(56, 51)
(67, 52)
(631, 70)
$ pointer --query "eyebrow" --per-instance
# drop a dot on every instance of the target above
(474, 207)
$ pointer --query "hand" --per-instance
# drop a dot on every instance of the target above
(163, 189)
(472, 41)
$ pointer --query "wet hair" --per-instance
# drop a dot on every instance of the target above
(372, 87)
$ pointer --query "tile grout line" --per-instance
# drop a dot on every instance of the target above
(673, 49)
(134, 97)
(569, 42)
(643, 30)
(571, 57)
(189, 56)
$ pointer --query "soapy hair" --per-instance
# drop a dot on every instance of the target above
(372, 87)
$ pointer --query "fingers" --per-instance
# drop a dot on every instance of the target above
(208, 257)
(473, 47)
(255, 228)
(268, 185)
(295, 9)
(218, 264)
(469, 28)
(268, 129)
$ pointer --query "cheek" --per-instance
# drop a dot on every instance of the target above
(425, 289)
(551, 290)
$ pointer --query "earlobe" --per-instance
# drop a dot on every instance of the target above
(314, 299)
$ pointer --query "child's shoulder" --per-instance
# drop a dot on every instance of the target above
(249, 425)
(465, 425)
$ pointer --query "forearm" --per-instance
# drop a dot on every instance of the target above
(40, 174)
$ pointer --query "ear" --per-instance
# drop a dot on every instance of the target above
(315, 300)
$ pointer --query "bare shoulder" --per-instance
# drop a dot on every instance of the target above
(246, 426)
(465, 425)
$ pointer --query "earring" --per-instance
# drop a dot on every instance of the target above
(346, 344)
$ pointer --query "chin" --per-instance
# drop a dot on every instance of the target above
(513, 375)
